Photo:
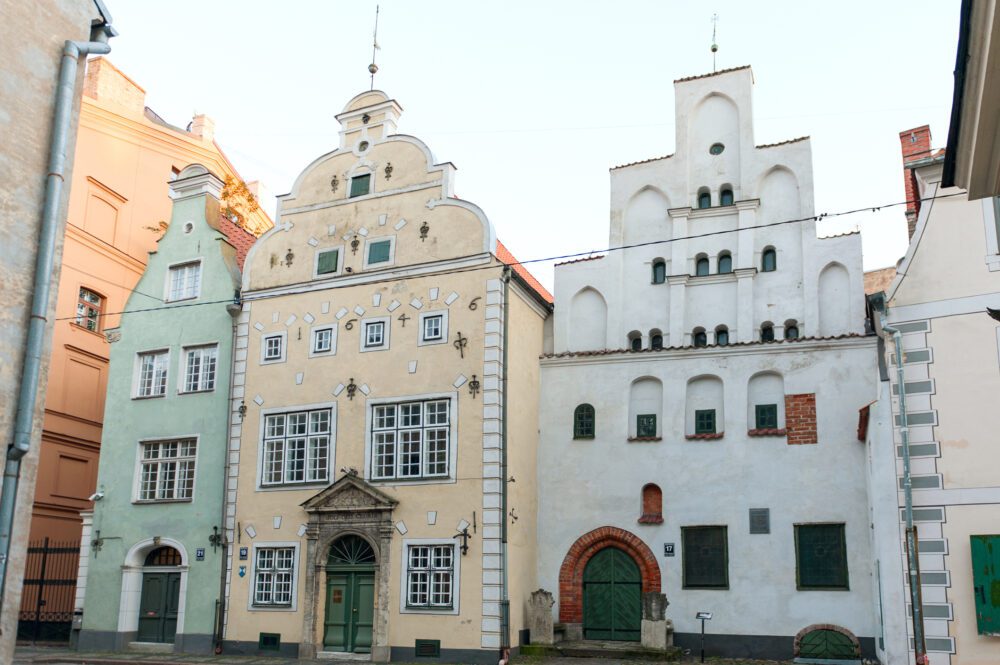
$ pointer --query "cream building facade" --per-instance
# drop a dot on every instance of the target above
(379, 503)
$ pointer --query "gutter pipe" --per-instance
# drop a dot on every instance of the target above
(35, 346)
(504, 595)
(958, 95)
(919, 648)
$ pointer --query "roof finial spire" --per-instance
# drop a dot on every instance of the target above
(373, 68)
(715, 46)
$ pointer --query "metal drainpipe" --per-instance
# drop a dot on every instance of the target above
(919, 649)
(504, 599)
(42, 285)
(234, 310)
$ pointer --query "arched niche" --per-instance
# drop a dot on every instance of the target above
(834, 300)
(645, 409)
(766, 402)
(779, 195)
(646, 216)
(715, 119)
(704, 403)
(588, 321)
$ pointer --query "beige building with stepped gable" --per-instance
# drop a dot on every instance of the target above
(379, 503)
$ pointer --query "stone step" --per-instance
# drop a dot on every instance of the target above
(598, 649)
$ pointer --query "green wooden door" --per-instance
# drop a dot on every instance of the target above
(350, 611)
(827, 644)
(158, 606)
(612, 604)
(986, 582)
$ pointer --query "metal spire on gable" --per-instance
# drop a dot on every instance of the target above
(715, 46)
(373, 68)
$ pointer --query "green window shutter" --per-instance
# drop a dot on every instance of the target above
(986, 582)
(360, 185)
(583, 422)
(328, 261)
(378, 252)
(705, 557)
(645, 425)
(704, 421)
(821, 556)
(767, 416)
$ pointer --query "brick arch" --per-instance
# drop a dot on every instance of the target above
(589, 544)
(796, 645)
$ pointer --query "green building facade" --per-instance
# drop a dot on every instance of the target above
(151, 563)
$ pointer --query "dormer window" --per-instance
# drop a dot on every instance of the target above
(361, 185)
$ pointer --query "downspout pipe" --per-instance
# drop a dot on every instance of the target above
(504, 475)
(911, 546)
(43, 282)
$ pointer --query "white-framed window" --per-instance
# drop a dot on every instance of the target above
(184, 281)
(411, 440)
(433, 328)
(380, 251)
(274, 566)
(151, 374)
(297, 447)
(375, 334)
(272, 348)
(430, 576)
(324, 341)
(329, 262)
(200, 364)
(166, 469)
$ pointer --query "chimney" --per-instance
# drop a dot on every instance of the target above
(111, 88)
(916, 145)
(203, 127)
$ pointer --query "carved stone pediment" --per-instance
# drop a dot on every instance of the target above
(349, 494)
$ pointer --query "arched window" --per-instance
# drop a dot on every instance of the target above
(89, 307)
(767, 332)
(163, 556)
(722, 336)
(652, 505)
(726, 197)
(725, 263)
(635, 340)
(656, 340)
(583, 422)
(791, 329)
(699, 337)
(704, 198)
(769, 260)
(659, 272)
(701, 265)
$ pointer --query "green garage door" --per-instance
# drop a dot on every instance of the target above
(612, 605)
(986, 581)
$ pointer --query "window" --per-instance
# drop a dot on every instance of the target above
(433, 328)
(167, 470)
(769, 260)
(767, 333)
(328, 262)
(411, 440)
(184, 281)
(324, 340)
(725, 263)
(791, 330)
(296, 447)
(361, 185)
(706, 557)
(379, 252)
(766, 416)
(152, 374)
(722, 336)
(704, 421)
(704, 199)
(374, 334)
(726, 197)
(273, 348)
(635, 342)
(274, 573)
(430, 576)
(659, 272)
(656, 342)
(583, 422)
(820, 556)
(701, 266)
(699, 337)
(645, 425)
(199, 368)
(716, 149)
(89, 307)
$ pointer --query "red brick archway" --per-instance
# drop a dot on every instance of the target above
(571, 573)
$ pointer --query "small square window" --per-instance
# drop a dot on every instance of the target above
(766, 416)
(374, 334)
(705, 557)
(433, 328)
(704, 421)
(379, 251)
(821, 556)
(322, 340)
(328, 262)
(645, 425)
(361, 185)
(274, 348)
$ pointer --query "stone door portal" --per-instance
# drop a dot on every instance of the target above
(350, 596)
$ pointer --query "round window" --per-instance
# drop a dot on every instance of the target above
(716, 149)
(188, 227)
(363, 146)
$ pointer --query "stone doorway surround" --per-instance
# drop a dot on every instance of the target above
(348, 506)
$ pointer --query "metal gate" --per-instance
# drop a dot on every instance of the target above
(49, 590)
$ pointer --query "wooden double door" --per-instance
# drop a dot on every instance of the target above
(612, 597)
(350, 610)
(158, 606)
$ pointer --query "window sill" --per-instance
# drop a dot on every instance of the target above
(706, 588)
(312, 484)
(273, 361)
(152, 502)
(196, 392)
(169, 300)
(822, 588)
(150, 396)
(411, 479)
(584, 438)
(272, 608)
(705, 436)
(651, 518)
(767, 431)
(77, 326)
(639, 439)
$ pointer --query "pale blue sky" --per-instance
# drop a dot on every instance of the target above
(534, 101)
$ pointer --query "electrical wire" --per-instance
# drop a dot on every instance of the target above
(589, 253)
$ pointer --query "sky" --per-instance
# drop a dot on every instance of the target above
(535, 101)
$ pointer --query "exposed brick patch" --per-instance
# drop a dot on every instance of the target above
(633, 439)
(800, 418)
(652, 505)
(707, 435)
(589, 544)
(825, 626)
(767, 431)
(916, 145)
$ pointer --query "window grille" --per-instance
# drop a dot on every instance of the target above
(821, 556)
(645, 425)
(706, 557)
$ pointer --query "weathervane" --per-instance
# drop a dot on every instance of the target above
(715, 46)
(373, 68)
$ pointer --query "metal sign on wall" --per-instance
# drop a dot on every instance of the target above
(668, 549)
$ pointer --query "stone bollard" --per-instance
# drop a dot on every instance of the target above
(540, 617)
(657, 632)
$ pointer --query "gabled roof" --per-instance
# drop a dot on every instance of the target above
(772, 145)
(504, 256)
(238, 237)
(705, 76)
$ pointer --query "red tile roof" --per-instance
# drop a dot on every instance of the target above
(641, 161)
(705, 76)
(771, 145)
(585, 258)
(504, 256)
(608, 352)
(238, 237)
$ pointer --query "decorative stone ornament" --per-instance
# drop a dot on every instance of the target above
(460, 343)
(540, 617)
(474, 386)
(334, 183)
(424, 228)
(351, 389)
(388, 170)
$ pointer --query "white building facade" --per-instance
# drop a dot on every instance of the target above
(704, 385)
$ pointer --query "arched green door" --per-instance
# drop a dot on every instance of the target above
(827, 644)
(612, 603)
(350, 596)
